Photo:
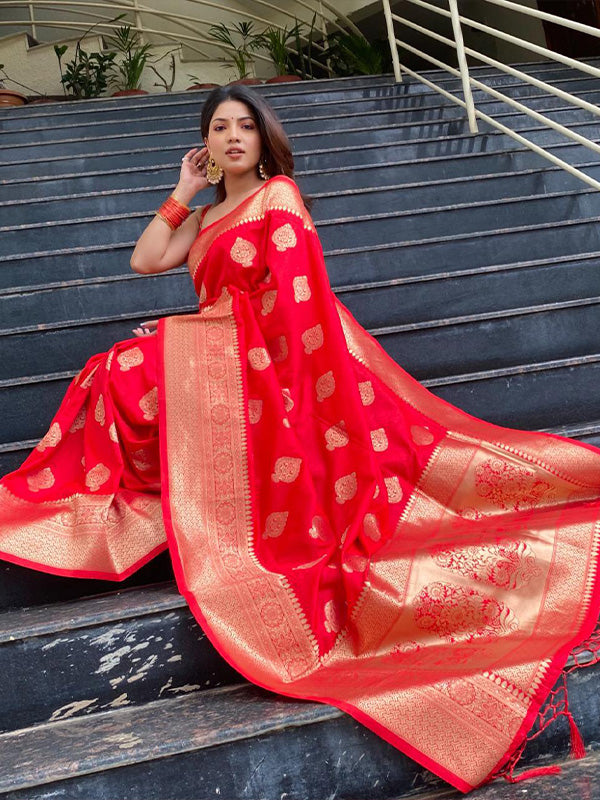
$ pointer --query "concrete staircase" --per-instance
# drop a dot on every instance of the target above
(474, 262)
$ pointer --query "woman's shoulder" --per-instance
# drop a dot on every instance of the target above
(283, 192)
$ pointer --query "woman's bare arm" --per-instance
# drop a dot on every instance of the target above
(159, 248)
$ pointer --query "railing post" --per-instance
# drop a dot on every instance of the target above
(392, 40)
(464, 69)
(32, 18)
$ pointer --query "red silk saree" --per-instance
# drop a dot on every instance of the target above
(339, 532)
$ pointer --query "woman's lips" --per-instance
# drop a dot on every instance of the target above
(234, 155)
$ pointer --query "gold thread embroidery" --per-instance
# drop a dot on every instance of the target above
(43, 479)
(130, 358)
(149, 404)
(97, 476)
(394, 490)
(284, 237)
(379, 440)
(421, 434)
(99, 413)
(243, 252)
(275, 524)
(371, 527)
(259, 358)
(301, 288)
(345, 488)
(51, 439)
(287, 469)
(312, 338)
(335, 436)
(367, 395)
(325, 386)
(79, 421)
(255, 406)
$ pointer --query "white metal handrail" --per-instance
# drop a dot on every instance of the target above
(186, 22)
(467, 81)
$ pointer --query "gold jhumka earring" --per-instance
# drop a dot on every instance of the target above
(263, 173)
(214, 172)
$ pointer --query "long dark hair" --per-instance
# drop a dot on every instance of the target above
(276, 150)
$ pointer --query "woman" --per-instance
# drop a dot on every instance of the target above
(340, 533)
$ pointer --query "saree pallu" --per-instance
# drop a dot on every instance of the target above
(340, 533)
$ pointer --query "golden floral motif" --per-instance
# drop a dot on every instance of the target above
(509, 486)
(243, 252)
(318, 529)
(79, 421)
(457, 613)
(149, 404)
(287, 399)
(43, 479)
(89, 379)
(310, 564)
(259, 358)
(336, 436)
(421, 434)
(275, 524)
(345, 487)
(51, 438)
(99, 412)
(379, 440)
(286, 470)
(203, 295)
(268, 301)
(312, 338)
(507, 563)
(394, 489)
(354, 562)
(112, 433)
(371, 527)
(376, 492)
(301, 288)
(140, 460)
(130, 358)
(367, 395)
(109, 359)
(286, 422)
(279, 348)
(334, 616)
(97, 476)
(255, 406)
(284, 237)
(325, 386)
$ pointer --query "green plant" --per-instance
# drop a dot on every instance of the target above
(241, 55)
(352, 54)
(305, 59)
(135, 55)
(274, 40)
(87, 73)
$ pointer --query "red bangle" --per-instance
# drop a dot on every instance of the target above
(173, 212)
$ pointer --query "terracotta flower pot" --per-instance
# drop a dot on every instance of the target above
(126, 92)
(202, 86)
(10, 98)
(283, 78)
(248, 81)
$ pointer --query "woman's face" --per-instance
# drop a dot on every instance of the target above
(233, 125)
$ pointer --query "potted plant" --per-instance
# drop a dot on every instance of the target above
(86, 75)
(241, 55)
(274, 40)
(132, 64)
(303, 61)
(8, 97)
(352, 54)
(199, 85)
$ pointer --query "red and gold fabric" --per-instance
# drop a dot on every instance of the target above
(340, 533)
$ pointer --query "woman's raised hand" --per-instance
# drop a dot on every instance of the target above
(144, 329)
(193, 169)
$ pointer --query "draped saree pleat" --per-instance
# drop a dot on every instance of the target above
(340, 533)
